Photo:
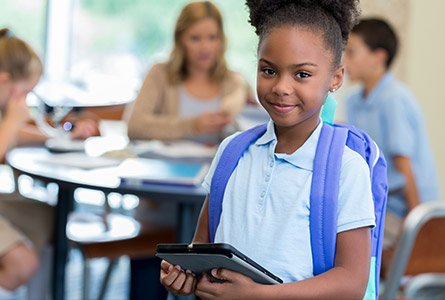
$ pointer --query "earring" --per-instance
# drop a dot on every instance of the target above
(333, 90)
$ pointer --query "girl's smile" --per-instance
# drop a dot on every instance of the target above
(281, 108)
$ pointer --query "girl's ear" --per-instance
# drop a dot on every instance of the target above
(337, 78)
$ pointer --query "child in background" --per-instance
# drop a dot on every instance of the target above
(266, 203)
(25, 224)
(390, 114)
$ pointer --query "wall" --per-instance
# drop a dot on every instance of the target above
(426, 71)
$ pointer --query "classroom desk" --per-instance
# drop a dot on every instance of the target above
(27, 160)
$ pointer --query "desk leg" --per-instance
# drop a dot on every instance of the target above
(188, 215)
(65, 201)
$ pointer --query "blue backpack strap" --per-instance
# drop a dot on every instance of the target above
(324, 196)
(227, 163)
(358, 141)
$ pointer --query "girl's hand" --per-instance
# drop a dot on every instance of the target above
(211, 122)
(176, 281)
(84, 129)
(236, 286)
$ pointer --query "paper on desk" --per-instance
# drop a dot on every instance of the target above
(80, 160)
(175, 149)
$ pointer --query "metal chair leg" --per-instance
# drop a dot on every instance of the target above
(106, 279)
(86, 279)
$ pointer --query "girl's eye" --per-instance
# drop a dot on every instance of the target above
(268, 71)
(302, 75)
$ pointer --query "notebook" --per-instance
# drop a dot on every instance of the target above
(136, 171)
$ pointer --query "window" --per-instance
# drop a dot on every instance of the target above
(27, 19)
(124, 38)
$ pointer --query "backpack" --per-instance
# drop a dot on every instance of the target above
(324, 191)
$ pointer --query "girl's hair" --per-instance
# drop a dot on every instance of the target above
(17, 58)
(377, 33)
(333, 18)
(190, 14)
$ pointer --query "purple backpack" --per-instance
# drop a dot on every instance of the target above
(324, 191)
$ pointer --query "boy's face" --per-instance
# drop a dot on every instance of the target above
(360, 62)
(295, 74)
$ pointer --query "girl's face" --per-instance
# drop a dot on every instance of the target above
(295, 73)
(15, 89)
(202, 43)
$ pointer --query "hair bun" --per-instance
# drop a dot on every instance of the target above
(344, 12)
(5, 32)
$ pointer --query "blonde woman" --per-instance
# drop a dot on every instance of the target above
(194, 95)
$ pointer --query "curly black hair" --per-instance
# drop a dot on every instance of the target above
(334, 18)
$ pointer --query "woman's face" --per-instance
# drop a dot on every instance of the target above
(202, 43)
(295, 74)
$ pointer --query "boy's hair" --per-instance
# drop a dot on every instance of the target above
(17, 57)
(377, 33)
(333, 18)
(190, 14)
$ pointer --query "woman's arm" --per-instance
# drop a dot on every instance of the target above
(148, 118)
(347, 280)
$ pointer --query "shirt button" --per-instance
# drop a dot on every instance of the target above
(263, 193)
(267, 178)
(271, 163)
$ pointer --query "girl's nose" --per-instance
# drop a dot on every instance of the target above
(282, 87)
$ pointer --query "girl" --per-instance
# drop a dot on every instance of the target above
(25, 225)
(266, 201)
(193, 95)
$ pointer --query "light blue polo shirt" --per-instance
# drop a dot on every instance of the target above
(265, 212)
(392, 117)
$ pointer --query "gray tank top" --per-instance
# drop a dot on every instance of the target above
(190, 107)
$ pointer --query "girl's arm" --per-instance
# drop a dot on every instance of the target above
(176, 280)
(347, 280)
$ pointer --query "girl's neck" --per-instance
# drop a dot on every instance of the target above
(290, 139)
(372, 81)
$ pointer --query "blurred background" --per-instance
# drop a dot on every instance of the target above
(88, 42)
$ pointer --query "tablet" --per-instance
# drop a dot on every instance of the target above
(200, 258)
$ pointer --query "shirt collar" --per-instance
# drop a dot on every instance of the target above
(268, 136)
(373, 96)
(304, 156)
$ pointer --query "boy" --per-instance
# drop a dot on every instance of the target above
(390, 114)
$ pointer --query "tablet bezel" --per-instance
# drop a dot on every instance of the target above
(214, 248)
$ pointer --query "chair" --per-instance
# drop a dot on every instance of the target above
(112, 235)
(421, 247)
(426, 286)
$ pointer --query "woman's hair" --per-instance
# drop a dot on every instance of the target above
(333, 18)
(17, 58)
(190, 14)
(377, 33)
